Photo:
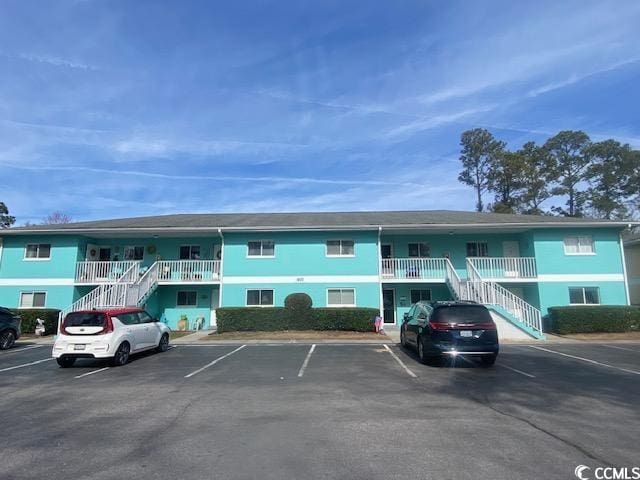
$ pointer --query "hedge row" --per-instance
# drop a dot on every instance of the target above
(29, 315)
(230, 319)
(596, 318)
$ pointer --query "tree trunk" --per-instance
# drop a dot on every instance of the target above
(479, 205)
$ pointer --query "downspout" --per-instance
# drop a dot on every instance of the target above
(624, 270)
(221, 271)
(380, 273)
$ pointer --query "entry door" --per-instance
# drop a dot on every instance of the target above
(511, 252)
(389, 305)
(386, 252)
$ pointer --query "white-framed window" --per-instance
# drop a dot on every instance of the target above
(133, 252)
(37, 251)
(418, 250)
(190, 252)
(33, 299)
(260, 298)
(477, 249)
(578, 245)
(340, 248)
(261, 248)
(341, 297)
(420, 295)
(584, 295)
(187, 298)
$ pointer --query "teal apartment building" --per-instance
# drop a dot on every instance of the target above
(182, 268)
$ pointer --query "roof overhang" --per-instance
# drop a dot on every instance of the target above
(207, 231)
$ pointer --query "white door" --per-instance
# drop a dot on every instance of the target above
(511, 252)
(215, 302)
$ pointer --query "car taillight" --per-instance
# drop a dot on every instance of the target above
(108, 328)
(486, 326)
(63, 330)
(439, 325)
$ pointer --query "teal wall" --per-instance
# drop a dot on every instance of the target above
(163, 248)
(301, 253)
(58, 296)
(439, 291)
(367, 294)
(553, 294)
(550, 256)
(61, 264)
(456, 245)
(162, 304)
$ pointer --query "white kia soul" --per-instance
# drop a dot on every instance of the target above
(108, 333)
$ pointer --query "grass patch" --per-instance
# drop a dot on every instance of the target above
(603, 336)
(173, 335)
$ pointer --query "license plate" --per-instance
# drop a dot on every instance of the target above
(466, 333)
(79, 347)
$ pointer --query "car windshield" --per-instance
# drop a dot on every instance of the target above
(462, 314)
(85, 319)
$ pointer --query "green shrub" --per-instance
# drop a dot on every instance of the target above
(251, 319)
(254, 319)
(593, 318)
(29, 315)
(298, 302)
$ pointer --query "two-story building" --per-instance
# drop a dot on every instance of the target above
(183, 267)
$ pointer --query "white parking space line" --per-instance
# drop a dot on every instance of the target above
(588, 360)
(18, 350)
(92, 372)
(211, 364)
(621, 348)
(306, 360)
(515, 370)
(25, 365)
(400, 362)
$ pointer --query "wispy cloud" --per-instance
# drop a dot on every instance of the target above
(54, 61)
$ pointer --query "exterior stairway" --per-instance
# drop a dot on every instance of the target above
(130, 290)
(507, 305)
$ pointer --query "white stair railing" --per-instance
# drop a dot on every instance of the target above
(138, 291)
(453, 280)
(491, 293)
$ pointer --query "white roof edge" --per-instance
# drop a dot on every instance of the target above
(427, 226)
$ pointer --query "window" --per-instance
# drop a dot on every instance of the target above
(144, 317)
(187, 299)
(584, 295)
(578, 246)
(418, 250)
(477, 249)
(34, 251)
(341, 297)
(128, 318)
(133, 253)
(261, 248)
(32, 299)
(420, 295)
(340, 248)
(190, 252)
(260, 298)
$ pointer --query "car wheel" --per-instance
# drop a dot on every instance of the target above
(403, 340)
(122, 354)
(7, 339)
(163, 344)
(422, 356)
(488, 360)
(65, 362)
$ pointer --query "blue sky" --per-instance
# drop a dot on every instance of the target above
(125, 108)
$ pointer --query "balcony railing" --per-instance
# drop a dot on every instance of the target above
(92, 273)
(190, 271)
(505, 267)
(413, 269)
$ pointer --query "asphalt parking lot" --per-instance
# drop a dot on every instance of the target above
(329, 411)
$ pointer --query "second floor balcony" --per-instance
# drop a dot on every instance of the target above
(413, 269)
(505, 268)
(169, 271)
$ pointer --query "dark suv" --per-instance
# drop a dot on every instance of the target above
(9, 328)
(438, 329)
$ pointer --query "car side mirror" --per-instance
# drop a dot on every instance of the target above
(406, 317)
(422, 316)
